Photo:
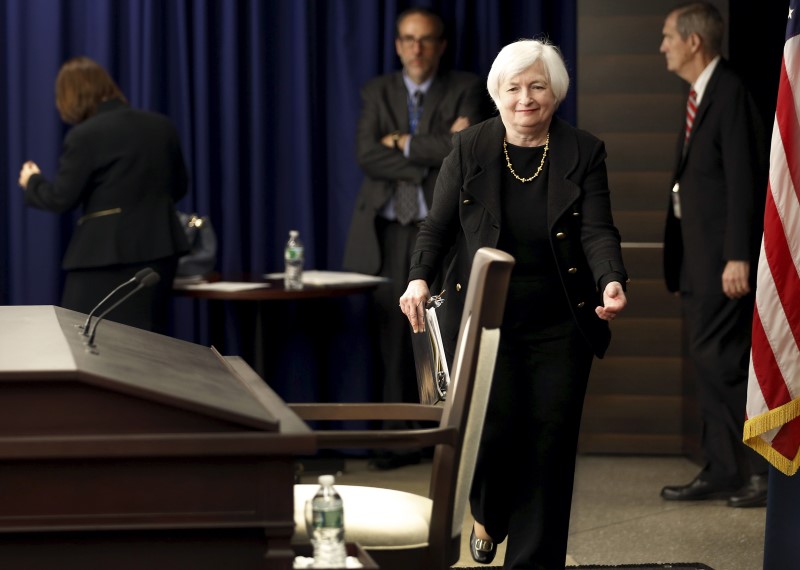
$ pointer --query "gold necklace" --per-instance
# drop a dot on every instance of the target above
(538, 170)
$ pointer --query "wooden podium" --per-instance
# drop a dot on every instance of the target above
(146, 452)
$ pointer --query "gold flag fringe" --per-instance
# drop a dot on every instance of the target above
(755, 427)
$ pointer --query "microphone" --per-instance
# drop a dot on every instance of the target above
(141, 274)
(147, 281)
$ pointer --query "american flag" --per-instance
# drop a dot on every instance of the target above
(773, 393)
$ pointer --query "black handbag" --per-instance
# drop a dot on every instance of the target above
(202, 257)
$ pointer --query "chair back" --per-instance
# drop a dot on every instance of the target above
(467, 399)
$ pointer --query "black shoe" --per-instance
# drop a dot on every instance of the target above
(753, 494)
(394, 461)
(482, 551)
(697, 490)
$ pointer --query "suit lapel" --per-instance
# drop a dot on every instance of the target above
(398, 101)
(702, 111)
(563, 157)
(484, 180)
(431, 101)
(708, 100)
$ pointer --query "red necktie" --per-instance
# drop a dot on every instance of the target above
(691, 109)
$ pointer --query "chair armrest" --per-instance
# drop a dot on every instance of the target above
(386, 439)
(332, 412)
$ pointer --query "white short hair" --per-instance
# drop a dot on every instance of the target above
(519, 56)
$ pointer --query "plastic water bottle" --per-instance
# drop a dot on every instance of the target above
(327, 526)
(293, 258)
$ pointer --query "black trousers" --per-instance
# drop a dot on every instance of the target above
(719, 337)
(526, 463)
(147, 309)
(783, 521)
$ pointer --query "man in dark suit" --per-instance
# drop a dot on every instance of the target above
(711, 247)
(404, 133)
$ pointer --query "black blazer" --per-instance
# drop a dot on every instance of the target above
(467, 212)
(723, 178)
(385, 109)
(125, 169)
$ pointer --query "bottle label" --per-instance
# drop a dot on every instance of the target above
(293, 253)
(333, 518)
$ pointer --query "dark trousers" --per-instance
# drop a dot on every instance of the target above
(719, 331)
(526, 462)
(147, 309)
(783, 521)
(397, 377)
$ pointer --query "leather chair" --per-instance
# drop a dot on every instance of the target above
(400, 530)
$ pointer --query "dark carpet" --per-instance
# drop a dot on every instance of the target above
(674, 565)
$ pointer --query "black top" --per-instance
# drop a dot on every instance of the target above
(535, 291)
(523, 231)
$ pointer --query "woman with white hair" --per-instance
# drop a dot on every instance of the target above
(528, 183)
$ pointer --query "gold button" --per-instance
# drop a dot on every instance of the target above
(572, 270)
(581, 304)
(561, 235)
(458, 287)
(467, 202)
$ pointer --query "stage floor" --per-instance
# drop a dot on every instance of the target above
(618, 516)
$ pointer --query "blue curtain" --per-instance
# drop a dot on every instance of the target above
(265, 94)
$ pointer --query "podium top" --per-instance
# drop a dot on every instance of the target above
(44, 343)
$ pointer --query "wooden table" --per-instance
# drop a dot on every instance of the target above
(294, 338)
(274, 291)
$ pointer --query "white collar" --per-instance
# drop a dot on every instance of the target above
(701, 82)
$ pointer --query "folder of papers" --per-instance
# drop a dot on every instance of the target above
(433, 376)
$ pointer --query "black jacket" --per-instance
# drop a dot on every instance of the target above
(466, 213)
(125, 169)
(723, 181)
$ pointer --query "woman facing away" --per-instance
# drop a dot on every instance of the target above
(124, 168)
(530, 184)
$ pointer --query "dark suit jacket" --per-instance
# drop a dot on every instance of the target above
(125, 168)
(722, 178)
(467, 211)
(385, 109)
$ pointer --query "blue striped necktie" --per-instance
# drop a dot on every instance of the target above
(406, 196)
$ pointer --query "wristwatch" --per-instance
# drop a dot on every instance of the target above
(396, 139)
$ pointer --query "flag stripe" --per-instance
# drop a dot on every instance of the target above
(785, 442)
(786, 120)
(756, 404)
(779, 257)
(766, 368)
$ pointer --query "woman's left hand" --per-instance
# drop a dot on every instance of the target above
(28, 169)
(614, 301)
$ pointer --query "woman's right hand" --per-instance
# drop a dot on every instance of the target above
(28, 169)
(412, 303)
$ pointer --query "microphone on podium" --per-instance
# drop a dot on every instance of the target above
(141, 274)
(147, 281)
